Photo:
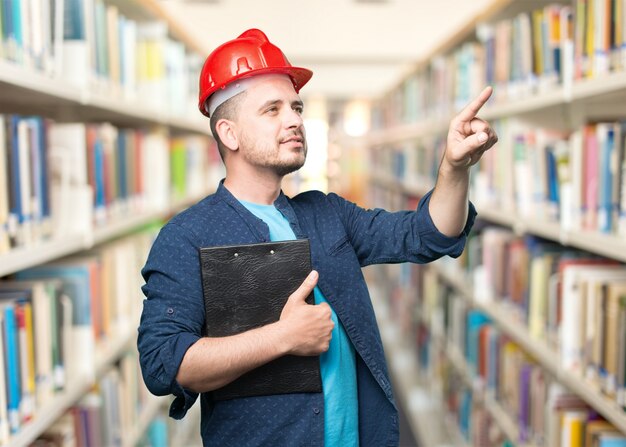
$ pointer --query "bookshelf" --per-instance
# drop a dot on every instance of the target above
(548, 359)
(134, 96)
(561, 105)
(495, 410)
(154, 406)
(604, 96)
(27, 91)
(56, 248)
(107, 354)
(427, 418)
(607, 245)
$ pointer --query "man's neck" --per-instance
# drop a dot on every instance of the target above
(253, 188)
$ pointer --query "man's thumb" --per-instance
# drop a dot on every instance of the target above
(305, 288)
(477, 140)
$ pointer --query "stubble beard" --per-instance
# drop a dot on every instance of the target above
(266, 156)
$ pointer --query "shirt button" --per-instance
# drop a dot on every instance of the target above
(316, 410)
(170, 311)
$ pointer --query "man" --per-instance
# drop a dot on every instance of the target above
(250, 92)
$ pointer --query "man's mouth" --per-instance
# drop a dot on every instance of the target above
(293, 139)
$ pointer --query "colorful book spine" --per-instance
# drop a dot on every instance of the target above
(12, 365)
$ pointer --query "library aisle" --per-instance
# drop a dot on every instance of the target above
(520, 341)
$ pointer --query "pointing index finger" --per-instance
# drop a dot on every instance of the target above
(472, 109)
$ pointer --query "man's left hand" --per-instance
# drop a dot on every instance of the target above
(469, 136)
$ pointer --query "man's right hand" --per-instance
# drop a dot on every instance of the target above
(307, 327)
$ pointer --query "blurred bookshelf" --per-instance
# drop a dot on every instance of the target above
(549, 195)
(100, 144)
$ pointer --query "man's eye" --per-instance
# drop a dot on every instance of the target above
(299, 109)
(272, 109)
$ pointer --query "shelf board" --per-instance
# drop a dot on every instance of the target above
(195, 124)
(124, 225)
(493, 407)
(40, 252)
(608, 88)
(551, 98)
(148, 413)
(389, 182)
(502, 418)
(548, 359)
(603, 85)
(107, 353)
(464, 32)
(497, 217)
(538, 227)
(608, 245)
(185, 432)
(30, 82)
(23, 88)
(55, 248)
(407, 132)
(424, 413)
(179, 30)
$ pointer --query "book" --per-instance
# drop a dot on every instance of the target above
(76, 277)
(596, 428)
(24, 318)
(247, 286)
(12, 367)
(43, 298)
(4, 188)
(578, 328)
(4, 416)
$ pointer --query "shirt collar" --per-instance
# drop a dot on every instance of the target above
(257, 225)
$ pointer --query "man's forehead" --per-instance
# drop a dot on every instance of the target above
(267, 93)
(279, 85)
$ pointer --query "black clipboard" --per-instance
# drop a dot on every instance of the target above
(247, 286)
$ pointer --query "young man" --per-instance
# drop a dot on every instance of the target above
(250, 92)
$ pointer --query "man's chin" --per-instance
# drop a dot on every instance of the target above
(286, 169)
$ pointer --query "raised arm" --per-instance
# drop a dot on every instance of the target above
(468, 138)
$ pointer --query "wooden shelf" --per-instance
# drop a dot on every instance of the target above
(609, 90)
(609, 245)
(538, 349)
(148, 413)
(493, 407)
(55, 248)
(598, 88)
(25, 90)
(106, 354)
(185, 432)
(405, 188)
(407, 132)
(424, 412)
(43, 251)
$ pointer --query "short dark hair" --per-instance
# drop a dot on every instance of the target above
(227, 110)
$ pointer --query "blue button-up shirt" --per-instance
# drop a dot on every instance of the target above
(343, 239)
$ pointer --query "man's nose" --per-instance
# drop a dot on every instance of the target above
(293, 119)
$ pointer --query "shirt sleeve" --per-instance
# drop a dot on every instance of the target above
(172, 316)
(379, 236)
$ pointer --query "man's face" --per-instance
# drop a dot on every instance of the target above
(271, 129)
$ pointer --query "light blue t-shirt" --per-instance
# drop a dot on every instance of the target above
(338, 364)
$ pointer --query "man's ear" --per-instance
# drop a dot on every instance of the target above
(226, 131)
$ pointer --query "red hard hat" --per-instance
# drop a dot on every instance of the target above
(249, 54)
